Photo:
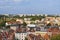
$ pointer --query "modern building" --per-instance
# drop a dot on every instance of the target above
(20, 36)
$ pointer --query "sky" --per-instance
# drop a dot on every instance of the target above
(30, 6)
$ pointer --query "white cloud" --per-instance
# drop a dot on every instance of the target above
(5, 6)
(11, 0)
(14, 0)
(20, 0)
(4, 0)
(17, 0)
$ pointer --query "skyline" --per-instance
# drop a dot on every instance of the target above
(30, 6)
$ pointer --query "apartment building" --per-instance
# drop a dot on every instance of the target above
(20, 36)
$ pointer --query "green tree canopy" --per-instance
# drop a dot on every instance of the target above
(26, 38)
(2, 23)
(24, 24)
(56, 37)
(48, 24)
(17, 16)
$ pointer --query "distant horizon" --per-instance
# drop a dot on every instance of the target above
(30, 14)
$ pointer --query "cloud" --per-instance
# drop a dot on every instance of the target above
(20, 0)
(11, 0)
(14, 1)
(17, 0)
(4, 0)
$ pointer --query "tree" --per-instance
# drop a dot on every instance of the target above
(24, 24)
(2, 23)
(32, 23)
(16, 16)
(13, 20)
(56, 37)
(48, 24)
(26, 38)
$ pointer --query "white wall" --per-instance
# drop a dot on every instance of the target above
(20, 36)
